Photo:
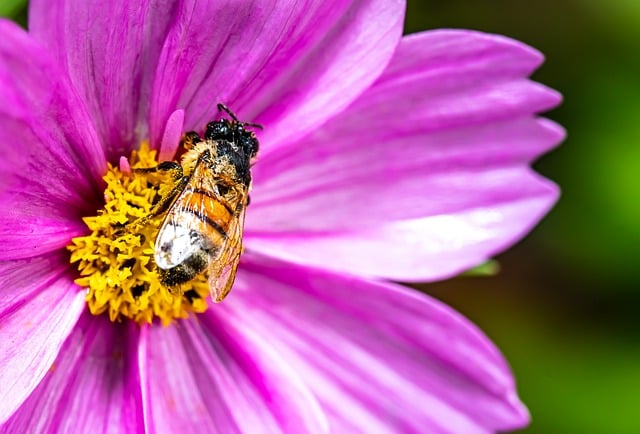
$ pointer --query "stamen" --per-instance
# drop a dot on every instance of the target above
(116, 261)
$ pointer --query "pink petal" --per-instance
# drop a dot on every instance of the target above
(332, 186)
(289, 65)
(39, 306)
(52, 161)
(446, 134)
(42, 116)
(379, 357)
(209, 375)
(27, 231)
(110, 50)
(172, 135)
(93, 386)
(423, 249)
(124, 166)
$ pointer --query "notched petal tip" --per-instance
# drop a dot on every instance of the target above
(448, 167)
(520, 416)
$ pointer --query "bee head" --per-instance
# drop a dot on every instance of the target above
(220, 130)
(249, 144)
(233, 131)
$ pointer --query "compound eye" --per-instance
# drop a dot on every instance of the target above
(249, 144)
(217, 130)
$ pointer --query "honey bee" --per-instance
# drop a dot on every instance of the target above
(206, 207)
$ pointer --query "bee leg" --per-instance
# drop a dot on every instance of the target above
(190, 139)
(163, 204)
(166, 166)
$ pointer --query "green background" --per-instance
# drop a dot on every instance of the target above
(564, 306)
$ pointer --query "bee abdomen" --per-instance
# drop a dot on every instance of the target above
(216, 214)
(185, 271)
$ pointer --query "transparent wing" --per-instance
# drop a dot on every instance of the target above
(206, 216)
(222, 269)
(196, 221)
(177, 238)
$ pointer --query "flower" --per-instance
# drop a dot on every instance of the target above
(382, 158)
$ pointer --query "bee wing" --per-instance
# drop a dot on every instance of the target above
(192, 224)
(222, 267)
(187, 227)
(176, 240)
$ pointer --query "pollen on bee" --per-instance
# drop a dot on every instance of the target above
(115, 260)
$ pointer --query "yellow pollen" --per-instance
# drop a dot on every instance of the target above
(115, 260)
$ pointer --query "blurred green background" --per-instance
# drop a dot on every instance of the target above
(564, 306)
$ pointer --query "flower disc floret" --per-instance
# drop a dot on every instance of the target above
(115, 260)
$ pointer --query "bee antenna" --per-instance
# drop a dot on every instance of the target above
(260, 127)
(224, 108)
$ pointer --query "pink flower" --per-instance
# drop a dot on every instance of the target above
(382, 158)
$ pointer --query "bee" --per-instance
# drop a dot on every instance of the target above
(203, 227)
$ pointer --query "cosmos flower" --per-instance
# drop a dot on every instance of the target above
(383, 158)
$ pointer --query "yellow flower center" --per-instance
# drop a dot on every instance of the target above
(115, 260)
